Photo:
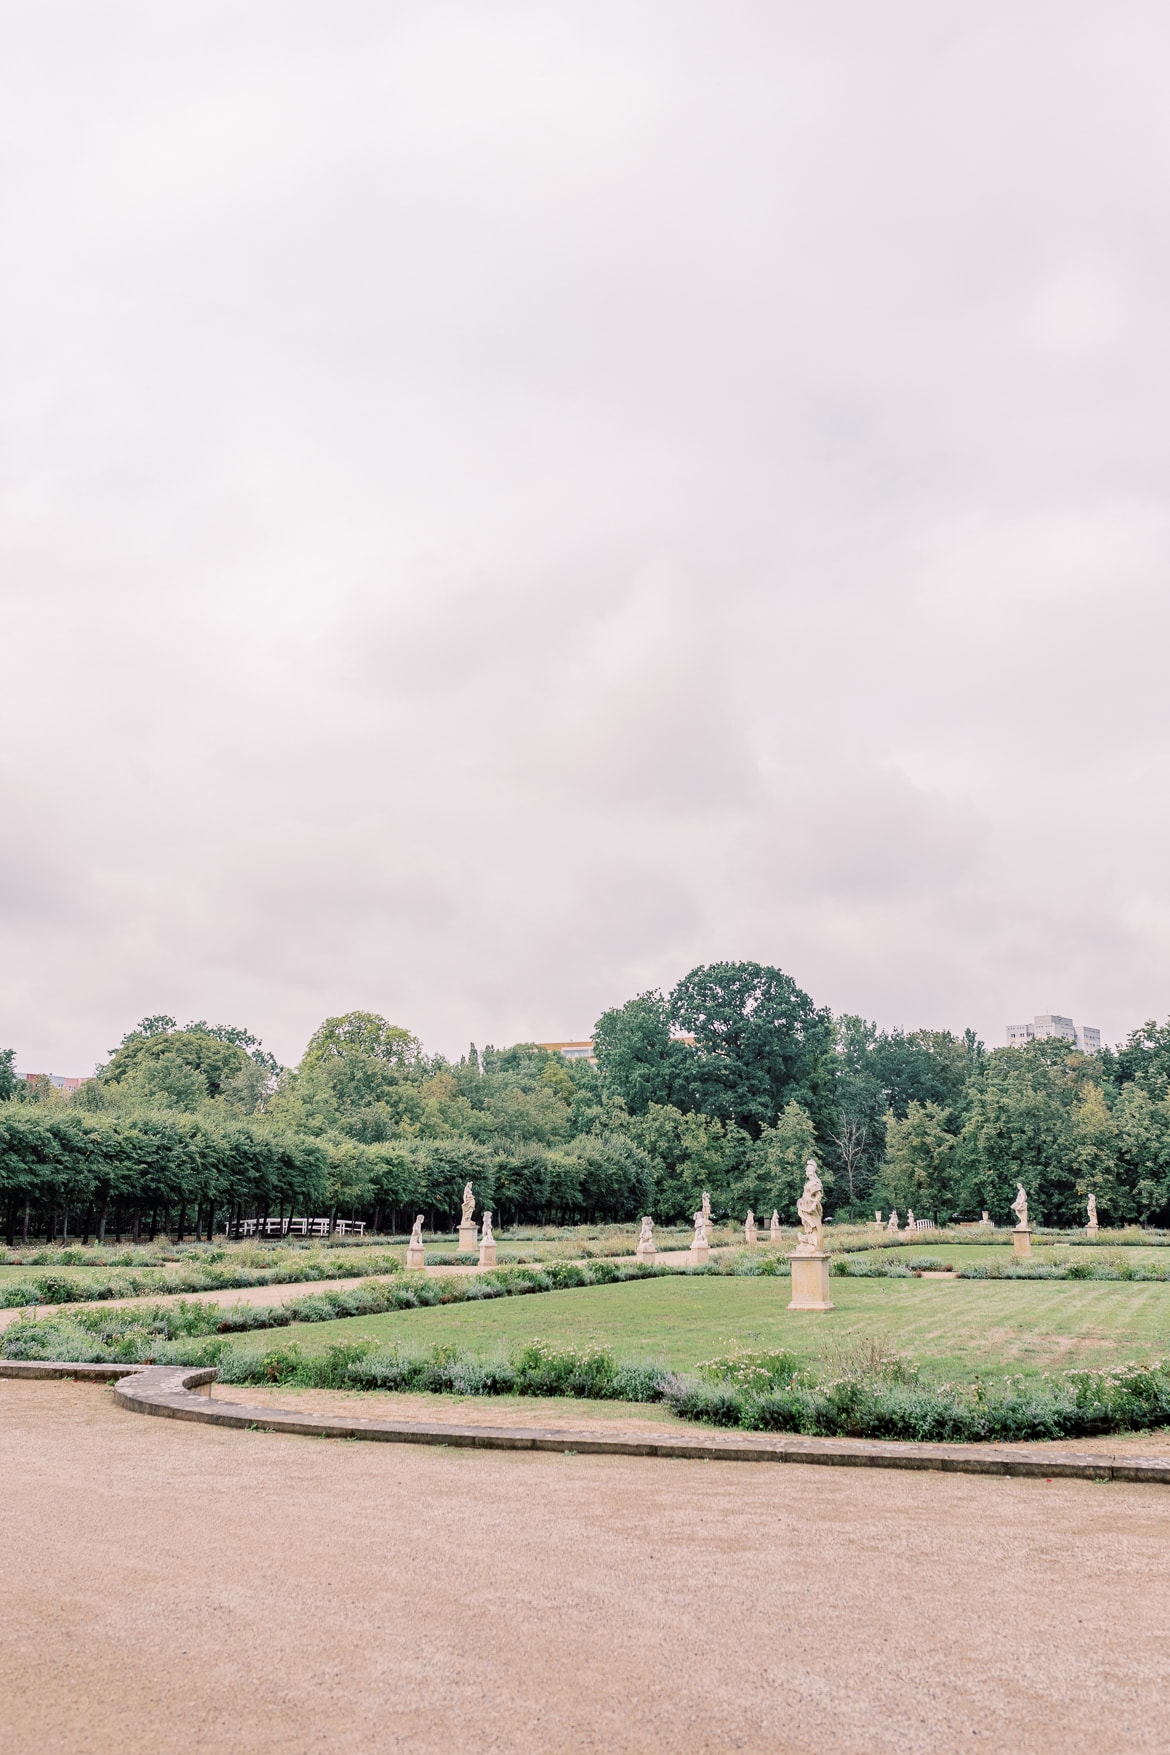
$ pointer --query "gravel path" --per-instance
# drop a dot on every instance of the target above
(274, 1294)
(173, 1588)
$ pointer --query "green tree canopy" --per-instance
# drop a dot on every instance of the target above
(760, 1042)
(363, 1035)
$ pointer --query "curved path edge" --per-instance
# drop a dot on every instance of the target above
(173, 1391)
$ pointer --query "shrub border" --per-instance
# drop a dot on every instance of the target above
(172, 1392)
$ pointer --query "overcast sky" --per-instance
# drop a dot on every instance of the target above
(502, 503)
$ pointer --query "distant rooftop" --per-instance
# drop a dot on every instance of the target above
(59, 1081)
(582, 1049)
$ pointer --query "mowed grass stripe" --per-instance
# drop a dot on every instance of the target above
(954, 1329)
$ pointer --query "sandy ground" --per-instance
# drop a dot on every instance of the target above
(168, 1587)
(283, 1294)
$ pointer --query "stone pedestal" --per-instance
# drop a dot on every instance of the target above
(648, 1255)
(1091, 1230)
(468, 1239)
(487, 1255)
(1022, 1241)
(700, 1254)
(810, 1282)
(415, 1258)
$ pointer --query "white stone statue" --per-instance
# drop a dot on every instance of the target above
(749, 1227)
(893, 1224)
(910, 1225)
(810, 1212)
(706, 1210)
(774, 1227)
(1020, 1207)
(646, 1239)
(468, 1205)
(416, 1241)
(699, 1240)
(485, 1236)
(1092, 1224)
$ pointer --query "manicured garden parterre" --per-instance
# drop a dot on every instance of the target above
(954, 1330)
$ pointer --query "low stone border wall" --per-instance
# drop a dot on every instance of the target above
(174, 1393)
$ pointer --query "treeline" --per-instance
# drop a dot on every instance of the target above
(62, 1174)
(729, 1083)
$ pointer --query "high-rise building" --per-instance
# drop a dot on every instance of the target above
(1086, 1038)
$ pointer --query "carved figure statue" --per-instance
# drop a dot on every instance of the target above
(485, 1235)
(893, 1224)
(706, 1210)
(910, 1225)
(810, 1212)
(646, 1237)
(416, 1241)
(699, 1240)
(468, 1205)
(774, 1227)
(1092, 1225)
(749, 1227)
(1020, 1207)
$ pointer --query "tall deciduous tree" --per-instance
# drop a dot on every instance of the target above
(760, 1043)
(638, 1056)
(919, 1153)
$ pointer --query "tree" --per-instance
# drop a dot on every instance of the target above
(363, 1034)
(777, 1165)
(7, 1073)
(1019, 1128)
(690, 1153)
(760, 1042)
(1094, 1152)
(223, 1065)
(637, 1055)
(919, 1151)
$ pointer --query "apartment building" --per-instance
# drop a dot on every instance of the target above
(1045, 1024)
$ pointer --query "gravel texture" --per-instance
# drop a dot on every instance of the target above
(168, 1587)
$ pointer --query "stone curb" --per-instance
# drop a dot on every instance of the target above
(171, 1391)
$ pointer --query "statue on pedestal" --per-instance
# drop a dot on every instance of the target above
(1020, 1207)
(893, 1224)
(810, 1212)
(910, 1225)
(1092, 1224)
(749, 1227)
(416, 1241)
(646, 1239)
(699, 1240)
(485, 1236)
(774, 1228)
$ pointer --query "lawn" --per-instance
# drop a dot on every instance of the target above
(955, 1330)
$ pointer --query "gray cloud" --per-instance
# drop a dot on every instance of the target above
(498, 505)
